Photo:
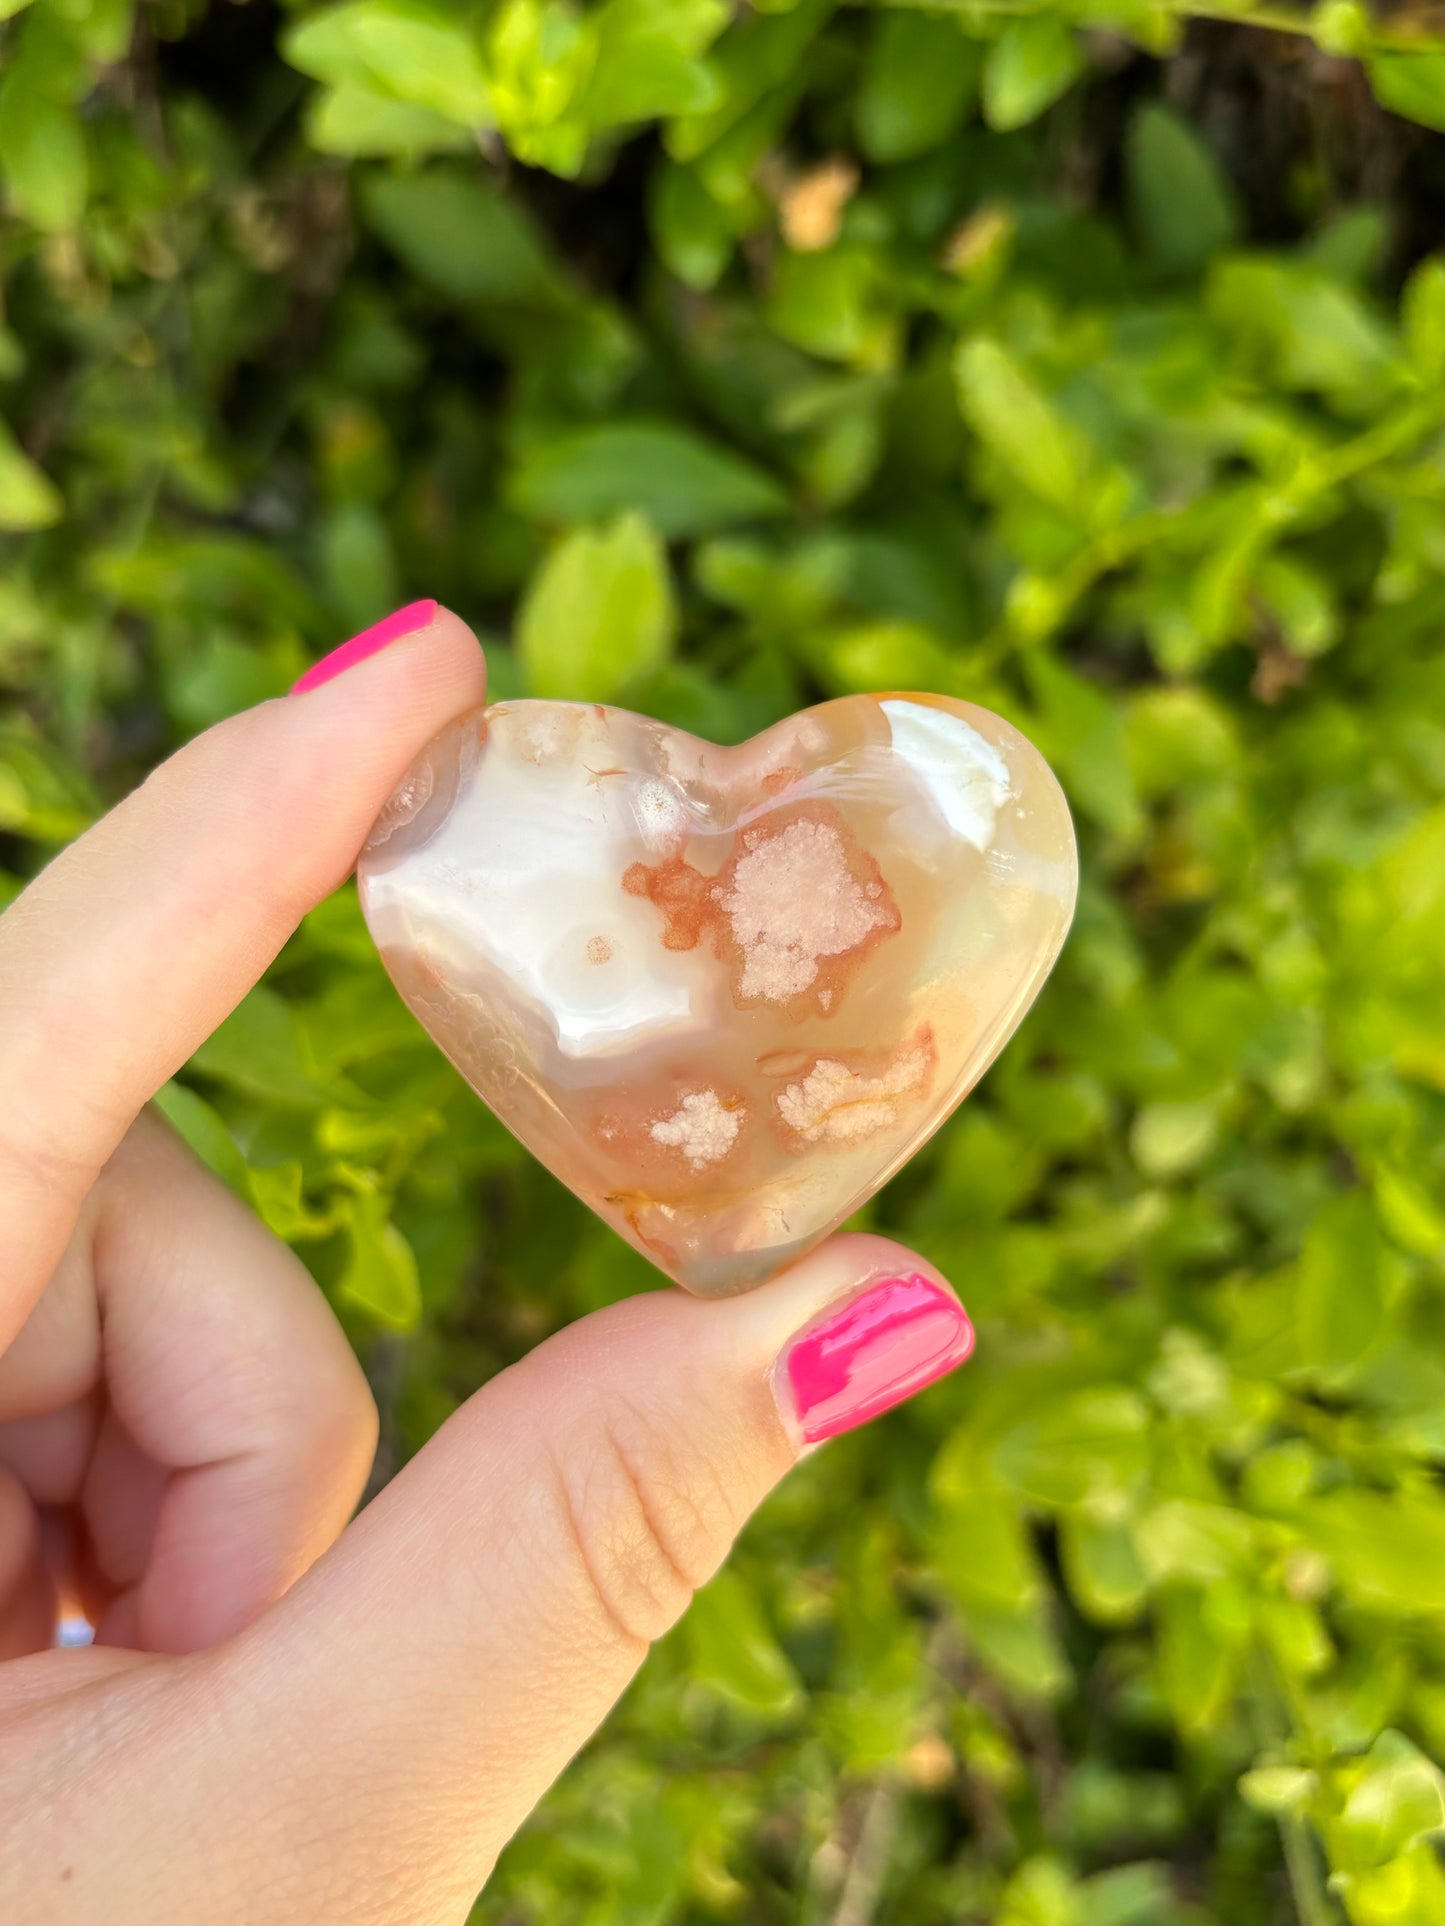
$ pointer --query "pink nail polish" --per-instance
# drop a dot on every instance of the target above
(416, 615)
(878, 1349)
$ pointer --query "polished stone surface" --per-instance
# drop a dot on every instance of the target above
(723, 993)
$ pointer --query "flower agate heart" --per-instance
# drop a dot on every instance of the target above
(723, 993)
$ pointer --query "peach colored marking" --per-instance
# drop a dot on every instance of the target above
(682, 893)
(780, 779)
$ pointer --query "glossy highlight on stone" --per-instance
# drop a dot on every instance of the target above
(723, 993)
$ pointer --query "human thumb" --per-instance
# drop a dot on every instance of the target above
(380, 1734)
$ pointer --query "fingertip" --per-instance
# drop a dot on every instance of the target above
(423, 658)
(370, 641)
(854, 1328)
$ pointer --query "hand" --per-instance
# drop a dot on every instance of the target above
(285, 1720)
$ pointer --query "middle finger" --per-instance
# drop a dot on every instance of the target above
(217, 1431)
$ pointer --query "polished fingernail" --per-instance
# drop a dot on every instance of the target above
(416, 615)
(867, 1355)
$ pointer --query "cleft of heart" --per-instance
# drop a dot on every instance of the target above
(723, 993)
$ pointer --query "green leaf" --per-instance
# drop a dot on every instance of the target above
(426, 57)
(277, 1190)
(1423, 314)
(257, 1049)
(1398, 1800)
(1279, 1789)
(1347, 1277)
(1083, 1446)
(1139, 1895)
(1386, 1551)
(732, 1651)
(1343, 28)
(1083, 732)
(982, 1548)
(540, 57)
(40, 796)
(920, 78)
(1408, 1212)
(205, 1131)
(28, 499)
(324, 45)
(599, 613)
(106, 30)
(221, 677)
(764, 50)
(1020, 1647)
(684, 484)
(1188, 1538)
(1299, 599)
(359, 564)
(886, 655)
(647, 60)
(826, 302)
(1412, 84)
(1041, 1893)
(381, 1275)
(405, 48)
(1012, 416)
(1167, 1138)
(1203, 1646)
(693, 233)
(462, 239)
(353, 118)
(1183, 211)
(1103, 1569)
(1033, 62)
(1309, 330)
(42, 153)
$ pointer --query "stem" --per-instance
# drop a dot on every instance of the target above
(1113, 547)
(1311, 1900)
(868, 1867)
(1375, 38)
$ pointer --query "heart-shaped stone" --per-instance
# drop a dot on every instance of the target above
(723, 993)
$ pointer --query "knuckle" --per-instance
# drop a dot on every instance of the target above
(36, 1161)
(344, 1422)
(649, 1520)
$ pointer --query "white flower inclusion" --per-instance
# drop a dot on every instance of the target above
(702, 1128)
(792, 901)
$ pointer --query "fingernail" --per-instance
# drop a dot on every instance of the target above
(880, 1347)
(416, 615)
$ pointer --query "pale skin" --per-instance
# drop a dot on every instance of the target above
(289, 1715)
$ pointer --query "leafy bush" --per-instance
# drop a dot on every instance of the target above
(1082, 362)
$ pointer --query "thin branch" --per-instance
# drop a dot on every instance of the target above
(868, 1863)
(1311, 1900)
(1374, 36)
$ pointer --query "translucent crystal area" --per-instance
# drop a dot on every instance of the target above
(723, 993)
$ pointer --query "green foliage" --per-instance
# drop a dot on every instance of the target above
(599, 614)
(717, 360)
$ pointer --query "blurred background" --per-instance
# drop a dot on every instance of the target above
(713, 359)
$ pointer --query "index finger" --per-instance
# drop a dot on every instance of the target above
(123, 955)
